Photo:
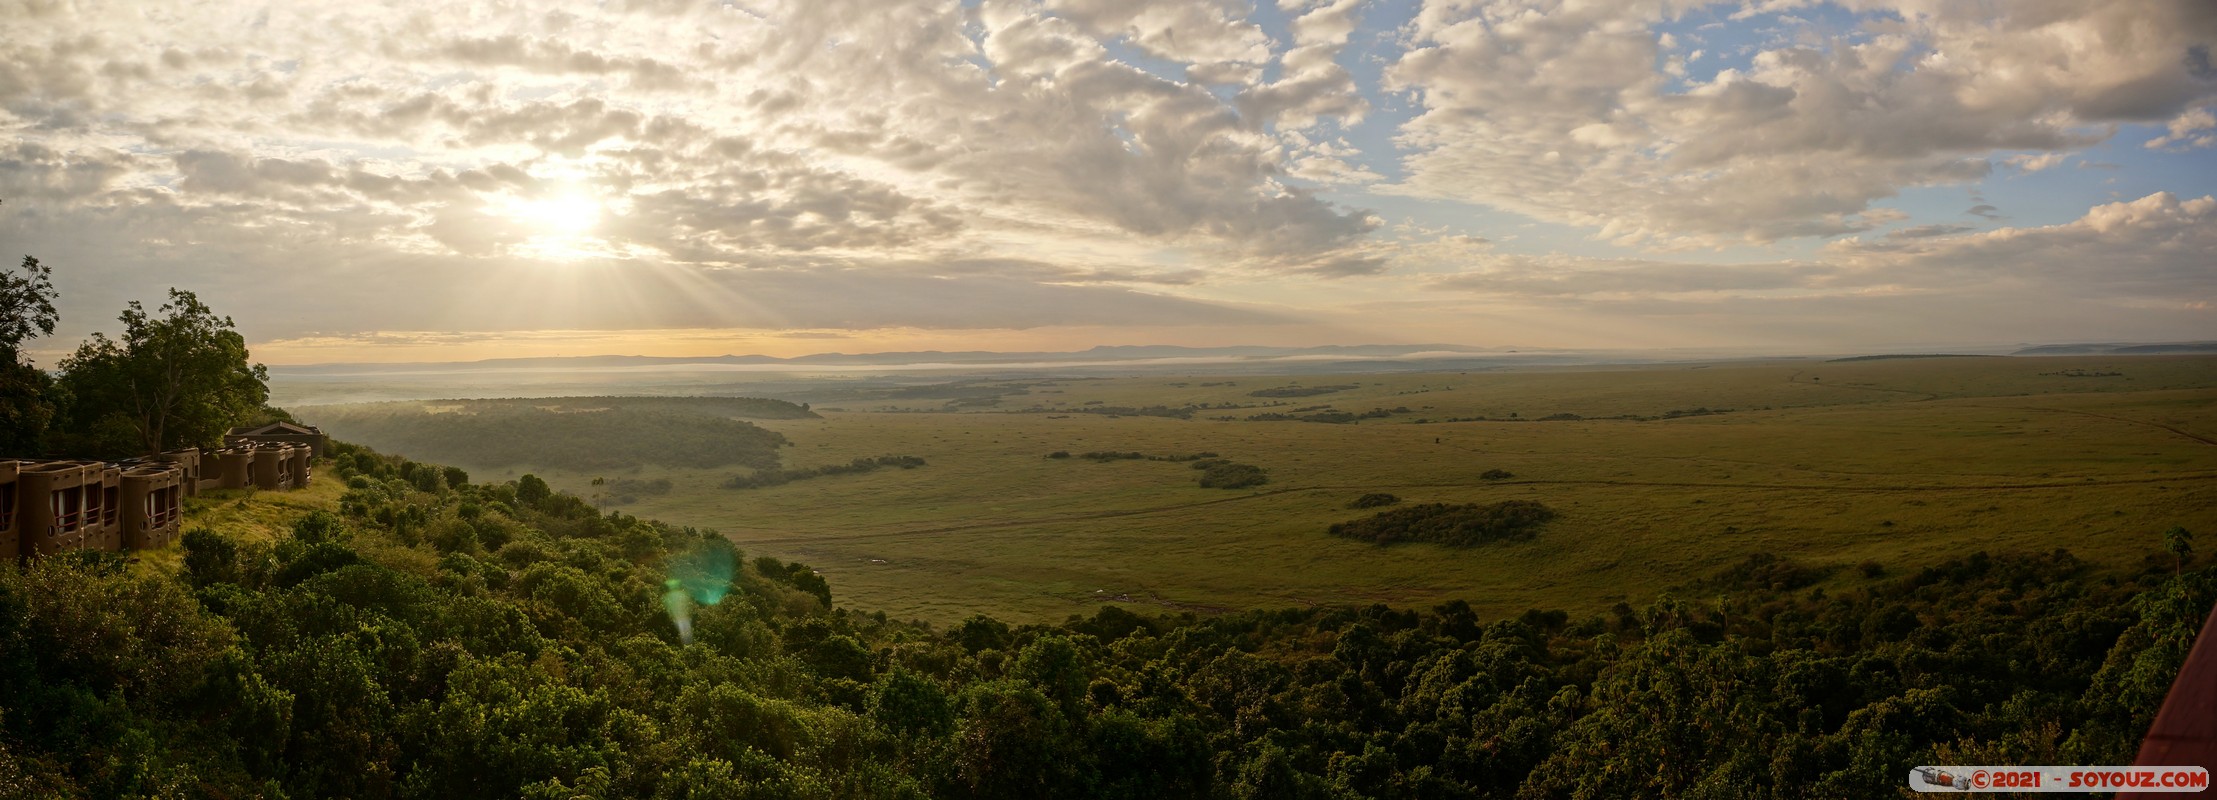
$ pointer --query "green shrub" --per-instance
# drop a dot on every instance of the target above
(1233, 476)
(1374, 500)
(1462, 525)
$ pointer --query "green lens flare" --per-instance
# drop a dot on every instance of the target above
(700, 575)
(705, 571)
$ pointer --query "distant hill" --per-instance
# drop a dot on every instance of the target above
(2119, 349)
(1891, 356)
(741, 407)
(966, 357)
(573, 433)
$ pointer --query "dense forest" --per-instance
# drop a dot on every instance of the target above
(438, 638)
(594, 434)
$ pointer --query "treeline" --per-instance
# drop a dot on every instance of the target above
(779, 477)
(1565, 416)
(1328, 415)
(523, 435)
(504, 641)
(173, 377)
(1216, 472)
(1460, 524)
(1130, 455)
(1172, 412)
(1301, 391)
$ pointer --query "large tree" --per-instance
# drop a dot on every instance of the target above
(178, 378)
(26, 313)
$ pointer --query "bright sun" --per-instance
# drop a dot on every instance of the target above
(558, 226)
(560, 215)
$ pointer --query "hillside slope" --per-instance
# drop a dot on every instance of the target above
(416, 635)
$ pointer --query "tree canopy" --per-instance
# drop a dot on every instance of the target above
(178, 377)
(26, 392)
(437, 638)
(26, 306)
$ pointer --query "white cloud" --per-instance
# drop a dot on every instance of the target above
(801, 136)
(2191, 130)
(2158, 248)
(928, 163)
(2034, 163)
(1188, 31)
(1558, 109)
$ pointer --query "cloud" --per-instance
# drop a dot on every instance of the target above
(2156, 249)
(1190, 31)
(1929, 231)
(917, 164)
(2035, 163)
(786, 139)
(2127, 271)
(2192, 130)
(1558, 111)
(1566, 276)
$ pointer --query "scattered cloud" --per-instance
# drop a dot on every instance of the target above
(2034, 163)
(2192, 130)
(854, 165)
(1557, 110)
(1929, 231)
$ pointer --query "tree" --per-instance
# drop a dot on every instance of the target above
(26, 306)
(26, 392)
(531, 490)
(2180, 542)
(180, 379)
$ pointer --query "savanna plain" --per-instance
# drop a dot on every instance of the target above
(1657, 475)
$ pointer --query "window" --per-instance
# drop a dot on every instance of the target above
(68, 504)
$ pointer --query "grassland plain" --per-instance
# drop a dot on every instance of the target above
(1900, 462)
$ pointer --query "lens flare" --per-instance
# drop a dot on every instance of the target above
(702, 576)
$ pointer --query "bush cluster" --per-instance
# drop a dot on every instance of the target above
(1229, 475)
(1301, 391)
(1461, 525)
(1132, 455)
(1374, 500)
(780, 477)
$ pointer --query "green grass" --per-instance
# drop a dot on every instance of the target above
(249, 514)
(1897, 461)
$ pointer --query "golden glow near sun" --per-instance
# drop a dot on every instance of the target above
(558, 226)
(572, 214)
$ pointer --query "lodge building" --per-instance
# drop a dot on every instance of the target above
(49, 507)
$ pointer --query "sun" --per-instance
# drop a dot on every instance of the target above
(568, 214)
(557, 226)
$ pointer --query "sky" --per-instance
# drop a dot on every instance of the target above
(425, 181)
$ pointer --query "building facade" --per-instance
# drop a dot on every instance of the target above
(50, 507)
(280, 433)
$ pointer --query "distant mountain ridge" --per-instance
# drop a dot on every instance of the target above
(970, 357)
(1344, 357)
(2119, 349)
